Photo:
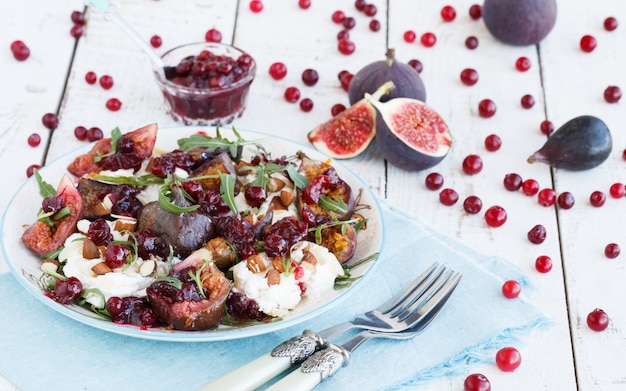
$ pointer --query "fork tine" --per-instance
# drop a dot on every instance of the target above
(430, 309)
(421, 292)
(400, 298)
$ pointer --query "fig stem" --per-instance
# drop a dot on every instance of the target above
(391, 56)
(384, 89)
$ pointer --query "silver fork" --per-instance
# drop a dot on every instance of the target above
(417, 300)
(328, 361)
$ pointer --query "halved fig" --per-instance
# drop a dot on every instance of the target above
(412, 135)
(43, 238)
(221, 164)
(341, 241)
(132, 148)
(350, 132)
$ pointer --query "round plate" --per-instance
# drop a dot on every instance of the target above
(22, 211)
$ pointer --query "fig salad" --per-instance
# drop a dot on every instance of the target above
(215, 233)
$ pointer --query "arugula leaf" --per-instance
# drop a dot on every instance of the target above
(213, 143)
(116, 134)
(144, 180)
(45, 189)
(263, 172)
(299, 180)
(164, 197)
(334, 204)
(227, 191)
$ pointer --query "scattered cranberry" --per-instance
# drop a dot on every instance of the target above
(495, 216)
(597, 320)
(472, 204)
(537, 234)
(486, 108)
(543, 264)
(348, 22)
(34, 140)
(106, 82)
(370, 10)
(80, 132)
(588, 43)
(448, 13)
(508, 359)
(612, 94)
(304, 4)
(116, 255)
(476, 382)
(306, 105)
(512, 182)
(469, 76)
(278, 70)
(472, 164)
(522, 64)
(565, 200)
(50, 121)
(345, 79)
(448, 197)
(597, 198)
(546, 197)
(213, 35)
(374, 25)
(612, 250)
(114, 104)
(31, 168)
(78, 17)
(409, 36)
(617, 190)
(493, 142)
(527, 101)
(91, 77)
(610, 23)
(256, 6)
(530, 187)
(66, 291)
(475, 11)
(416, 64)
(434, 181)
(338, 16)
(20, 51)
(94, 134)
(156, 41)
(345, 46)
(428, 39)
(337, 108)
(76, 31)
(471, 42)
(547, 127)
(343, 34)
(292, 94)
(511, 289)
(624, 154)
(310, 77)
(360, 4)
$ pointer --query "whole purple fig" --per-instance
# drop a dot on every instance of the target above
(519, 22)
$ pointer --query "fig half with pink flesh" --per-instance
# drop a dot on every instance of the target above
(412, 135)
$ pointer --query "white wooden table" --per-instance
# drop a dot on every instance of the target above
(564, 81)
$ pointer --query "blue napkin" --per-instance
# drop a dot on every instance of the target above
(41, 349)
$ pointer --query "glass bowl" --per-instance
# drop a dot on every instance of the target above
(205, 83)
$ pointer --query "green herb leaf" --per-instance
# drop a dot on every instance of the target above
(227, 191)
(45, 189)
(144, 180)
(116, 134)
(334, 204)
(213, 143)
(164, 197)
(175, 282)
(299, 180)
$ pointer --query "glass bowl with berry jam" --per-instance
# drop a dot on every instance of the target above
(206, 83)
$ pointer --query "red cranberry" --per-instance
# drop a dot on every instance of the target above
(416, 64)
(409, 36)
(91, 77)
(448, 13)
(469, 76)
(471, 42)
(34, 140)
(530, 187)
(493, 142)
(527, 101)
(31, 168)
(597, 198)
(114, 104)
(476, 382)
(588, 43)
(537, 234)
(348, 22)
(428, 39)
(116, 255)
(565, 200)
(76, 31)
(50, 121)
(475, 11)
(624, 154)
(546, 197)
(66, 291)
(472, 204)
(360, 4)
(612, 250)
(522, 64)
(20, 51)
(610, 23)
(486, 108)
(543, 264)
(156, 41)
(612, 94)
(80, 132)
(597, 320)
(343, 34)
(512, 182)
(448, 197)
(345, 46)
(374, 25)
(434, 181)
(256, 6)
(278, 70)
(106, 82)
(617, 190)
(495, 216)
(310, 77)
(306, 105)
(292, 94)
(213, 35)
(338, 17)
(345, 80)
(304, 4)
(472, 164)
(547, 127)
(94, 134)
(78, 17)
(508, 359)
(370, 10)
(511, 289)
(337, 108)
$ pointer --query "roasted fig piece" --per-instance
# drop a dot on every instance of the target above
(221, 164)
(192, 307)
(91, 193)
(341, 241)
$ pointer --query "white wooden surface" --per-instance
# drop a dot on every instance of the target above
(564, 81)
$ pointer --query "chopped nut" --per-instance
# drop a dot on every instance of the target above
(101, 268)
(83, 226)
(49, 265)
(277, 262)
(276, 204)
(273, 277)
(100, 210)
(221, 253)
(275, 184)
(147, 268)
(90, 250)
(255, 264)
(310, 258)
(286, 197)
(125, 224)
